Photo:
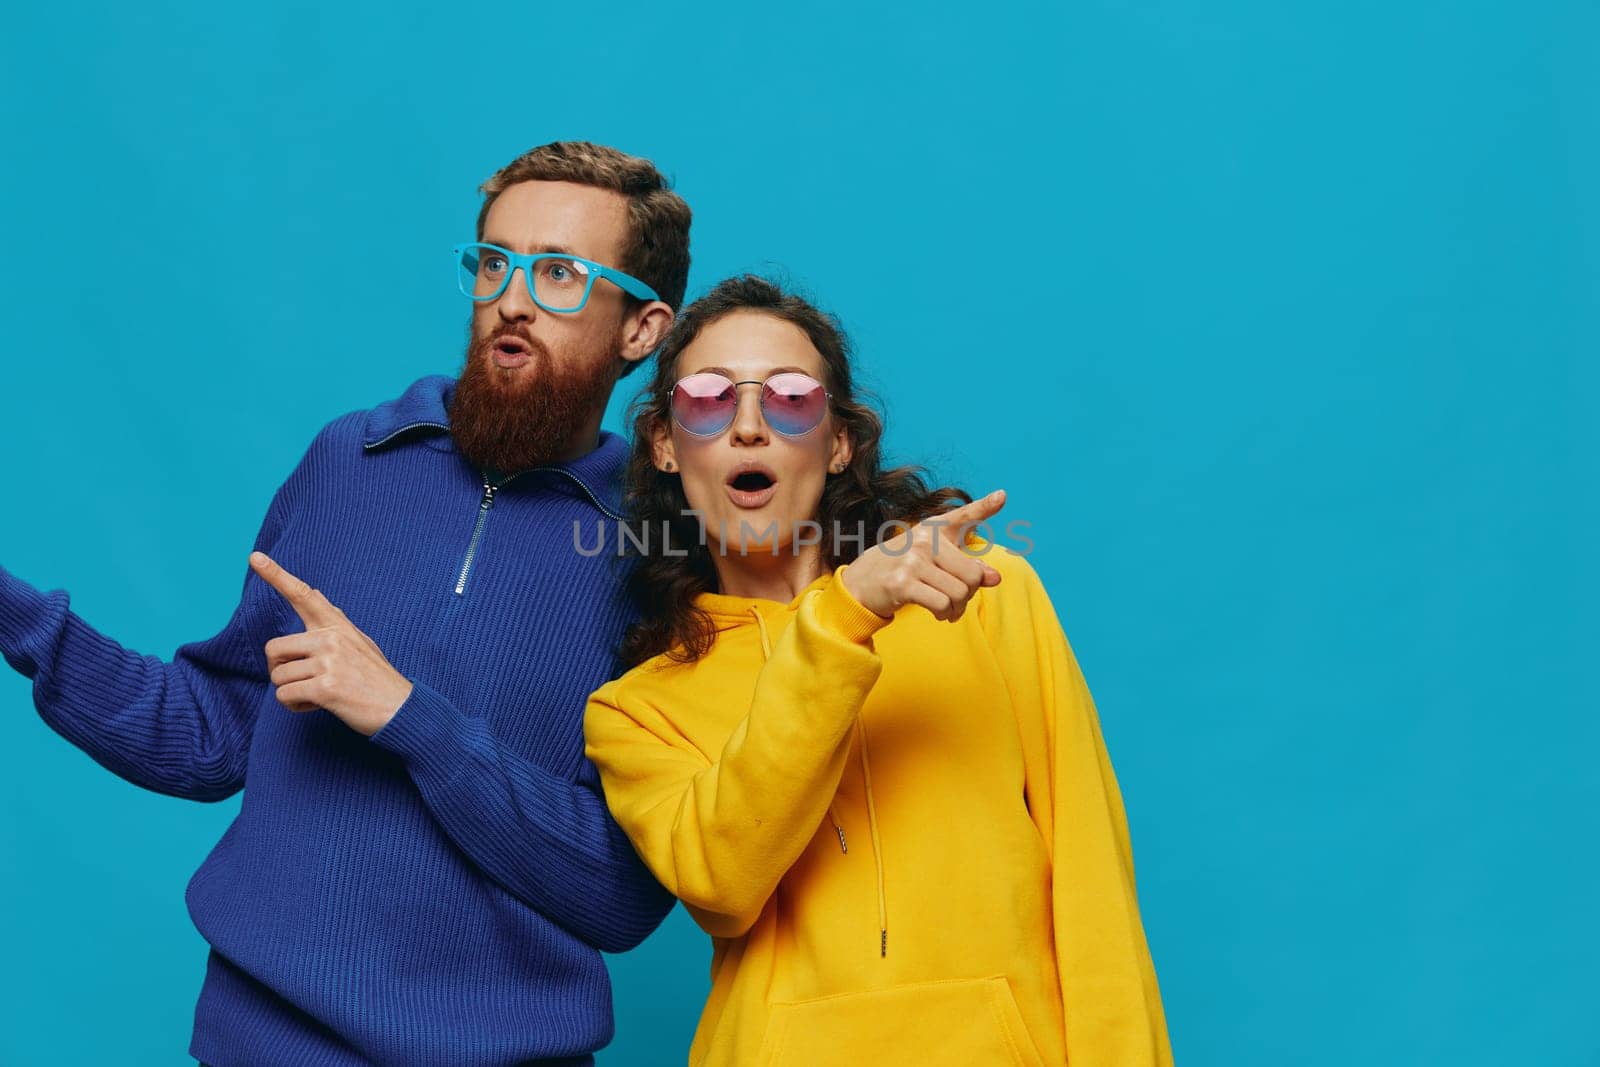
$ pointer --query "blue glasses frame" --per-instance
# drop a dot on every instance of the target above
(525, 261)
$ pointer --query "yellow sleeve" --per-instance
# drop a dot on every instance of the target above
(719, 830)
(1111, 1001)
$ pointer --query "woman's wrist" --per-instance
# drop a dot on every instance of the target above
(840, 611)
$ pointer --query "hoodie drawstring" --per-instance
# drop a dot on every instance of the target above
(877, 845)
(833, 815)
(766, 643)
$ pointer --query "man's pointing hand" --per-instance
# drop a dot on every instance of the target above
(333, 665)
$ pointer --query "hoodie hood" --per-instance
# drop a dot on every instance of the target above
(736, 612)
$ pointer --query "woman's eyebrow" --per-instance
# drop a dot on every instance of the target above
(726, 373)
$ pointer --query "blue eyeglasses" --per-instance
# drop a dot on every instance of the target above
(557, 282)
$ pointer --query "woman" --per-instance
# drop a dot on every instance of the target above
(874, 777)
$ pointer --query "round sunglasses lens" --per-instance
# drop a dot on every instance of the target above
(704, 404)
(793, 404)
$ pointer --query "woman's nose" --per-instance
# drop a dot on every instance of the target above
(748, 426)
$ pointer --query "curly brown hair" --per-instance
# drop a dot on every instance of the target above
(863, 496)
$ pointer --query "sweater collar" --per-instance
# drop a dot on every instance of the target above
(423, 410)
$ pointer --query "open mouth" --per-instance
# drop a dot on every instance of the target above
(510, 351)
(751, 485)
(751, 482)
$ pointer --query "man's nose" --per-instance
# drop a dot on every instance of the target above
(748, 426)
(516, 303)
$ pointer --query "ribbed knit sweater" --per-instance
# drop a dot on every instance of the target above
(437, 894)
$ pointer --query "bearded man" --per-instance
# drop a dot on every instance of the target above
(422, 870)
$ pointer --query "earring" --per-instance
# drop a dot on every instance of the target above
(837, 467)
(670, 466)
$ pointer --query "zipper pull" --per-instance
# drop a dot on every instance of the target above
(838, 830)
(477, 532)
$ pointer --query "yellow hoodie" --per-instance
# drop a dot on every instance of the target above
(903, 836)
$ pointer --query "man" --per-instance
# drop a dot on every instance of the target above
(423, 870)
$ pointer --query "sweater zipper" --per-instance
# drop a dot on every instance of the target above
(489, 489)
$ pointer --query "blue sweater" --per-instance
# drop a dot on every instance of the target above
(439, 893)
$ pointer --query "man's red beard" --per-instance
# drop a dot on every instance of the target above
(510, 420)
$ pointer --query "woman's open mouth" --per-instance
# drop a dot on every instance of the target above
(751, 485)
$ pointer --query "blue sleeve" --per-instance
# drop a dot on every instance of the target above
(182, 728)
(549, 841)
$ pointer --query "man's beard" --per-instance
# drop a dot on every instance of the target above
(510, 420)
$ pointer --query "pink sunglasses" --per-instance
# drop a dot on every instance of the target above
(792, 404)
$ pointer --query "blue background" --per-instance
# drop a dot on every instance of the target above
(1278, 321)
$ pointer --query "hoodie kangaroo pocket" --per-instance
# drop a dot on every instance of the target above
(970, 1022)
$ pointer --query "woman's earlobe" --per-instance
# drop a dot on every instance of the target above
(662, 452)
(843, 453)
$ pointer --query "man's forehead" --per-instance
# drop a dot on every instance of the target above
(581, 219)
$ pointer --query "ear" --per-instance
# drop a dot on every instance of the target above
(643, 328)
(662, 450)
(839, 455)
